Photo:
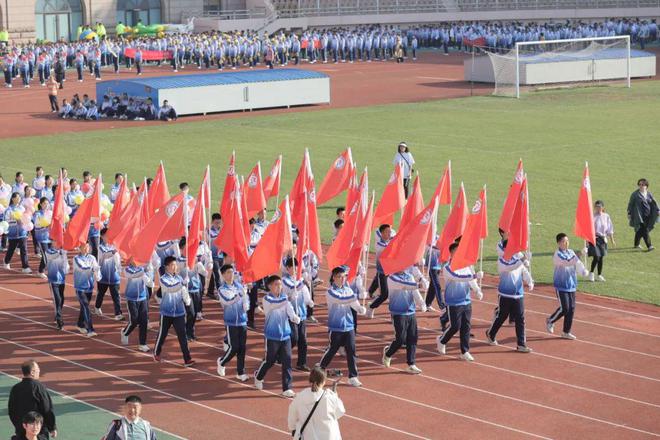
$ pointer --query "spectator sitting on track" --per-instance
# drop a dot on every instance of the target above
(131, 425)
(32, 423)
(315, 411)
(147, 111)
(66, 111)
(92, 112)
(30, 395)
(79, 112)
(167, 112)
(106, 108)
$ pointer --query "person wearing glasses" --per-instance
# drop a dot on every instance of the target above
(642, 213)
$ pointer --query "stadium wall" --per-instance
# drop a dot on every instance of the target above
(263, 24)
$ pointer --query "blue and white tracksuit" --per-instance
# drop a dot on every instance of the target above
(567, 266)
(404, 298)
(459, 304)
(57, 267)
(85, 273)
(301, 300)
(175, 299)
(235, 303)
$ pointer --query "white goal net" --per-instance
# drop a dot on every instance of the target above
(561, 63)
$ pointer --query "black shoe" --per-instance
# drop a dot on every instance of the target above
(304, 368)
(472, 335)
(60, 324)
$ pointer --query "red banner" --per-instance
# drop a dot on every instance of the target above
(479, 42)
(149, 55)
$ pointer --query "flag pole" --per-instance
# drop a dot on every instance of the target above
(430, 245)
(529, 230)
(279, 183)
(366, 254)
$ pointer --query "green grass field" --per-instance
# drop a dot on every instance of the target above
(555, 132)
(75, 419)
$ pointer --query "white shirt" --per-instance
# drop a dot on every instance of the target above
(407, 161)
(323, 425)
(603, 224)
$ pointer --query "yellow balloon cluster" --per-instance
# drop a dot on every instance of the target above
(4, 202)
(17, 215)
(43, 222)
(78, 199)
(105, 214)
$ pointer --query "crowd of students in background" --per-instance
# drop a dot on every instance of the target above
(116, 107)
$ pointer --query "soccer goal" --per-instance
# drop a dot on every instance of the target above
(579, 62)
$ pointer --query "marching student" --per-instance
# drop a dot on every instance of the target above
(459, 304)
(216, 255)
(194, 286)
(110, 264)
(298, 293)
(384, 236)
(235, 303)
(173, 305)
(604, 231)
(41, 234)
(137, 303)
(567, 265)
(16, 233)
(404, 298)
(85, 272)
(57, 267)
(310, 274)
(277, 331)
(165, 249)
(341, 299)
(510, 291)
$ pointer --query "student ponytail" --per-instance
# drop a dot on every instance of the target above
(317, 378)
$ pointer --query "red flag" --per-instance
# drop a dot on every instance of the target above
(406, 248)
(167, 224)
(159, 194)
(353, 191)
(232, 239)
(443, 190)
(365, 218)
(272, 182)
(136, 217)
(414, 204)
(512, 198)
(392, 200)
(89, 212)
(230, 186)
(454, 226)
(467, 252)
(244, 212)
(197, 222)
(303, 245)
(276, 241)
(303, 190)
(584, 214)
(254, 192)
(58, 221)
(116, 222)
(519, 228)
(338, 177)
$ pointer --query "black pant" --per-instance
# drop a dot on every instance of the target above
(191, 313)
(254, 298)
(642, 233)
(58, 299)
(566, 309)
(277, 350)
(384, 293)
(406, 186)
(237, 343)
(513, 308)
(138, 315)
(53, 103)
(299, 339)
(94, 243)
(459, 320)
(114, 294)
(434, 291)
(405, 332)
(21, 244)
(597, 262)
(337, 340)
(179, 323)
(84, 316)
(42, 248)
(214, 279)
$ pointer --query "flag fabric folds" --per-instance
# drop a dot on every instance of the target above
(511, 198)
(272, 181)
(476, 227)
(338, 177)
(58, 220)
(584, 213)
(392, 200)
(454, 226)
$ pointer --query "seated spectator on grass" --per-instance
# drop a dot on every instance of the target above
(131, 425)
(167, 112)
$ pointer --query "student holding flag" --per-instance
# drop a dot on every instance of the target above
(85, 272)
(57, 267)
(138, 280)
(384, 236)
(298, 293)
(235, 303)
(110, 264)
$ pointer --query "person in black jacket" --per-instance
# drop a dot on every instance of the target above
(59, 71)
(31, 395)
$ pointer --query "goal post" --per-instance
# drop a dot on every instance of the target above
(574, 62)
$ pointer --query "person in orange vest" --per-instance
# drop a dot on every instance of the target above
(53, 85)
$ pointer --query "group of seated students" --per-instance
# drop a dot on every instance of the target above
(123, 107)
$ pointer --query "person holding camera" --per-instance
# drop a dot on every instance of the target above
(405, 158)
(315, 411)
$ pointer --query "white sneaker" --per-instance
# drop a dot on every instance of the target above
(523, 349)
(601, 278)
(592, 277)
(354, 382)
(221, 370)
(45, 277)
(143, 348)
(199, 316)
(289, 394)
(82, 330)
(242, 377)
(412, 369)
(6, 266)
(92, 334)
(26, 270)
(258, 384)
(570, 336)
(98, 311)
(431, 309)
(119, 317)
(549, 326)
(386, 360)
(124, 338)
(370, 312)
(490, 341)
(467, 356)
(442, 348)
(225, 347)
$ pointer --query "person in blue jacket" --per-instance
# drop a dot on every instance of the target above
(235, 303)
(85, 272)
(42, 234)
(16, 234)
(57, 267)
(110, 264)
(138, 279)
